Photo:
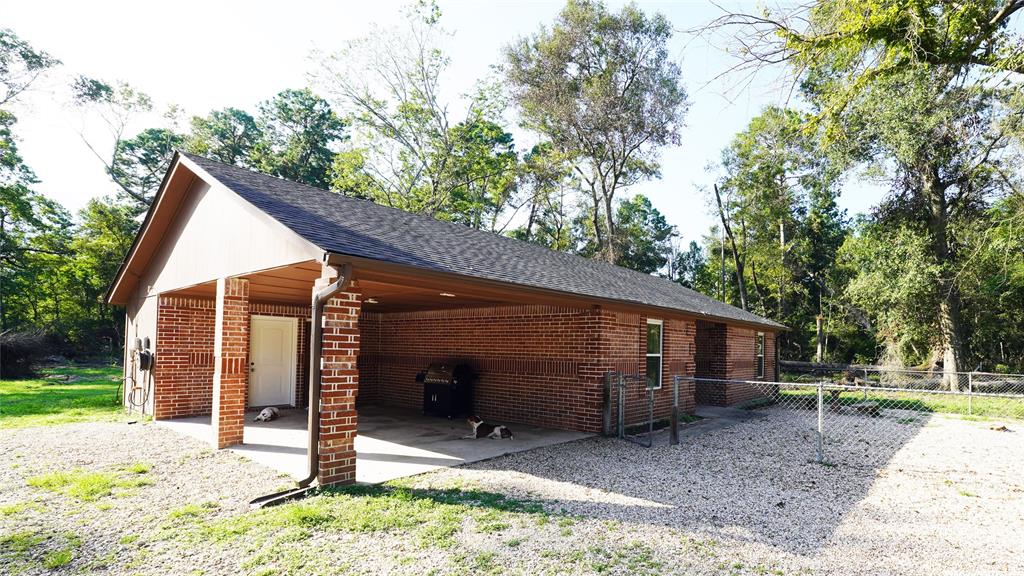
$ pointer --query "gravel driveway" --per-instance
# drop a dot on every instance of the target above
(744, 500)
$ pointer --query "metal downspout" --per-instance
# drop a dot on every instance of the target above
(320, 299)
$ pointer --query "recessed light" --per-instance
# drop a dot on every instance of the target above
(371, 300)
(447, 294)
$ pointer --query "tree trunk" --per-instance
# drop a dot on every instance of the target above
(949, 320)
(737, 262)
(782, 275)
(819, 355)
(611, 250)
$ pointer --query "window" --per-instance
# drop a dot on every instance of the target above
(760, 354)
(654, 353)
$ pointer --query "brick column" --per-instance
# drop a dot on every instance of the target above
(339, 385)
(231, 361)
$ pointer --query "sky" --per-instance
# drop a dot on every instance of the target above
(212, 54)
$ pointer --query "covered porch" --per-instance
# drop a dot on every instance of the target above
(227, 348)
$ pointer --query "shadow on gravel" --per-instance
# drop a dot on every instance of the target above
(755, 480)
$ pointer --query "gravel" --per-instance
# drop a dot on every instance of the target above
(947, 498)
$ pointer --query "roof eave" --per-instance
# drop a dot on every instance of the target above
(111, 296)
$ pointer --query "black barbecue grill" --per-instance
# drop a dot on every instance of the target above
(447, 389)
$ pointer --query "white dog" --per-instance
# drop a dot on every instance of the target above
(267, 414)
(482, 429)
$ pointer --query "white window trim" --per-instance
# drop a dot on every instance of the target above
(661, 350)
(759, 355)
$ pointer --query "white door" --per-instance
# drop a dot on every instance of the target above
(272, 361)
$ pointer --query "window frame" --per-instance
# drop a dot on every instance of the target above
(660, 355)
(759, 351)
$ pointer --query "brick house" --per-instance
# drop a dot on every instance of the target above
(238, 280)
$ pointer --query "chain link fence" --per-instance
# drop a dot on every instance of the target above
(863, 422)
(634, 408)
(876, 376)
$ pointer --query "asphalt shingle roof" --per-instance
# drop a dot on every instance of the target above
(355, 227)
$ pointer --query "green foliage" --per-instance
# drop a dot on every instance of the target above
(916, 95)
(227, 135)
(20, 65)
(299, 135)
(409, 151)
(140, 163)
(643, 236)
(602, 88)
(431, 518)
(56, 558)
(893, 281)
(783, 228)
(693, 269)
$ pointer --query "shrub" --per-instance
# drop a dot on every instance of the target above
(21, 351)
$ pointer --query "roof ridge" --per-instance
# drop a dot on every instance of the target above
(562, 271)
(454, 225)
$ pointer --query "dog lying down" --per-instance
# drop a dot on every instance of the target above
(482, 429)
(267, 414)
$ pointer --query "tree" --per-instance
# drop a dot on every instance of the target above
(20, 65)
(227, 135)
(409, 151)
(25, 216)
(642, 239)
(545, 176)
(139, 164)
(300, 133)
(691, 268)
(135, 164)
(602, 89)
(922, 92)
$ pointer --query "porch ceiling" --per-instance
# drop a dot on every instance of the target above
(382, 292)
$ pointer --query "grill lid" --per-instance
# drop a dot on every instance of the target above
(439, 374)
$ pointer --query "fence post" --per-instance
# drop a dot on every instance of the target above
(622, 406)
(821, 423)
(607, 415)
(650, 416)
(673, 431)
(970, 393)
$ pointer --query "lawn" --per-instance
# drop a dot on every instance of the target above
(89, 394)
(918, 401)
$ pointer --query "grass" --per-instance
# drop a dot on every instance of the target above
(57, 558)
(88, 396)
(90, 486)
(25, 550)
(429, 518)
(980, 407)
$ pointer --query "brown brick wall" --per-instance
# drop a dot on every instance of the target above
(183, 370)
(230, 361)
(183, 364)
(626, 335)
(528, 359)
(729, 352)
(339, 381)
(539, 365)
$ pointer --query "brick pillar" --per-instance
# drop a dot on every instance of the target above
(339, 385)
(231, 361)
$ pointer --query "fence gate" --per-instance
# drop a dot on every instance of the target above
(629, 408)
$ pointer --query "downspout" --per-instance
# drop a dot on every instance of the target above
(319, 300)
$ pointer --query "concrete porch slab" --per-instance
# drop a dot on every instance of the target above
(391, 443)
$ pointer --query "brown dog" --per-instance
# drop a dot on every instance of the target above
(482, 429)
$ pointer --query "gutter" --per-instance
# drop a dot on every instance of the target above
(316, 328)
(319, 300)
